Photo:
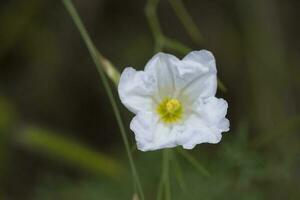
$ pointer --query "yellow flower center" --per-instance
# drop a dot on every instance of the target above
(170, 110)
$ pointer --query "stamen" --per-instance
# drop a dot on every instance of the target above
(170, 110)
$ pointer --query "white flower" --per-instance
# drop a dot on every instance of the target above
(174, 101)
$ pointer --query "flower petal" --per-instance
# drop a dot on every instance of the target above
(163, 67)
(197, 132)
(206, 124)
(136, 89)
(197, 75)
(212, 110)
(203, 57)
(150, 133)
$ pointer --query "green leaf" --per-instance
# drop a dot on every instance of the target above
(68, 150)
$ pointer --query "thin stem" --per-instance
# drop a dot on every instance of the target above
(191, 29)
(94, 54)
(164, 183)
(167, 173)
(178, 173)
(161, 41)
(222, 86)
(186, 20)
(150, 11)
(194, 162)
(175, 45)
(110, 70)
(161, 182)
(151, 15)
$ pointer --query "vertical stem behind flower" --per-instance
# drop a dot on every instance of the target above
(150, 12)
(162, 41)
(164, 186)
(186, 20)
(167, 173)
(161, 184)
(94, 54)
(194, 162)
(178, 173)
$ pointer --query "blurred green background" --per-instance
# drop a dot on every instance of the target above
(59, 138)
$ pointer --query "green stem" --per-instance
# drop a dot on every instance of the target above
(222, 86)
(194, 162)
(186, 20)
(161, 41)
(164, 183)
(167, 173)
(150, 11)
(94, 54)
(177, 46)
(178, 173)
(161, 183)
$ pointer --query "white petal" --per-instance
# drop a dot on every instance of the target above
(150, 133)
(212, 110)
(197, 75)
(136, 89)
(197, 132)
(224, 125)
(200, 87)
(206, 124)
(203, 57)
(163, 67)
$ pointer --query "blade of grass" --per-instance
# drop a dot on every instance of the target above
(68, 150)
(95, 56)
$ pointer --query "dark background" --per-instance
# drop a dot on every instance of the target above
(48, 81)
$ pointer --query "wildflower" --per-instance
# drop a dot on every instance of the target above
(174, 101)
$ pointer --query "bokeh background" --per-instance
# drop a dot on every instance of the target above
(59, 138)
